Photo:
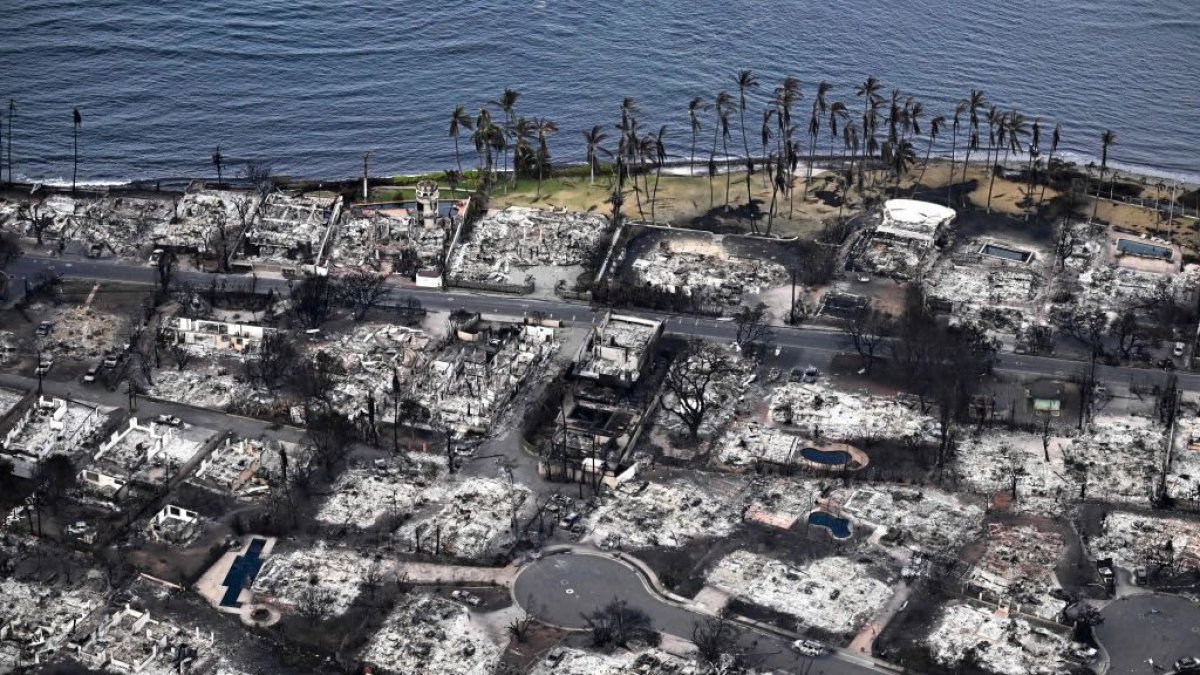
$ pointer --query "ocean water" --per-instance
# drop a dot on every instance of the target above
(309, 86)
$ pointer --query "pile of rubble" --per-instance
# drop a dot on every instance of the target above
(207, 387)
(645, 514)
(364, 493)
(520, 238)
(477, 518)
(430, 635)
(83, 334)
(780, 502)
(1183, 476)
(1116, 288)
(1117, 458)
(714, 277)
(118, 224)
(370, 355)
(390, 240)
(133, 641)
(1138, 540)
(1017, 569)
(834, 594)
(201, 217)
(821, 412)
(569, 661)
(890, 260)
(935, 521)
(1002, 296)
(322, 579)
(290, 228)
(36, 620)
(998, 643)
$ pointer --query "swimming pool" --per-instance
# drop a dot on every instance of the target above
(829, 457)
(1006, 253)
(838, 527)
(1141, 248)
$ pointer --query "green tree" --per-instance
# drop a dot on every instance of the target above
(508, 104)
(544, 128)
(593, 139)
(459, 120)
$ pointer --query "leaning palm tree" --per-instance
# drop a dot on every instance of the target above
(593, 139)
(1107, 138)
(935, 128)
(508, 104)
(544, 128)
(745, 80)
(1012, 129)
(218, 161)
(78, 121)
(459, 119)
(696, 106)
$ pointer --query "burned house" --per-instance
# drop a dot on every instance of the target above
(904, 237)
(618, 350)
(39, 428)
(208, 334)
(131, 641)
(148, 453)
(289, 231)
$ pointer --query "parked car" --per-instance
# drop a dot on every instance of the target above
(169, 420)
(44, 328)
(1188, 664)
(809, 647)
(111, 360)
(1179, 349)
(90, 375)
(44, 367)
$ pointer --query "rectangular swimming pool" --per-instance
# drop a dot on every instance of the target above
(1006, 253)
(1141, 248)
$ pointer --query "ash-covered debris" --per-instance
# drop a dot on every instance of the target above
(502, 243)
(476, 520)
(433, 636)
(997, 642)
(835, 594)
(644, 514)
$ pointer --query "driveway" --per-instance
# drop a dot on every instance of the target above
(561, 589)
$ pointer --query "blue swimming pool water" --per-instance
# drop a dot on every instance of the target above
(838, 527)
(1006, 253)
(830, 457)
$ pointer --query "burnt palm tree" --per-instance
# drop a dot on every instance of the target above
(593, 139)
(459, 120)
(1011, 128)
(765, 132)
(78, 122)
(820, 107)
(935, 128)
(508, 104)
(837, 115)
(899, 155)
(745, 80)
(868, 90)
(696, 106)
(1035, 143)
(1054, 139)
(660, 158)
(720, 123)
(218, 161)
(973, 103)
(544, 128)
(958, 113)
(1107, 138)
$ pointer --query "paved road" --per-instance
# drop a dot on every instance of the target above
(561, 589)
(808, 337)
(1147, 626)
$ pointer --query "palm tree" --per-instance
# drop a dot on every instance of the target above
(484, 131)
(593, 139)
(522, 133)
(1011, 129)
(935, 128)
(720, 108)
(958, 111)
(508, 104)
(660, 157)
(218, 161)
(974, 102)
(1035, 142)
(1107, 138)
(459, 119)
(1054, 138)
(820, 107)
(850, 140)
(899, 155)
(78, 121)
(766, 140)
(837, 114)
(868, 91)
(544, 127)
(745, 80)
(696, 106)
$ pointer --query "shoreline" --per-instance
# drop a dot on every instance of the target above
(672, 167)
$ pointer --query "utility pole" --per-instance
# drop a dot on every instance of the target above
(366, 157)
(39, 372)
(395, 411)
(792, 309)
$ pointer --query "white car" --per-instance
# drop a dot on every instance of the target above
(1179, 349)
(169, 420)
(809, 647)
